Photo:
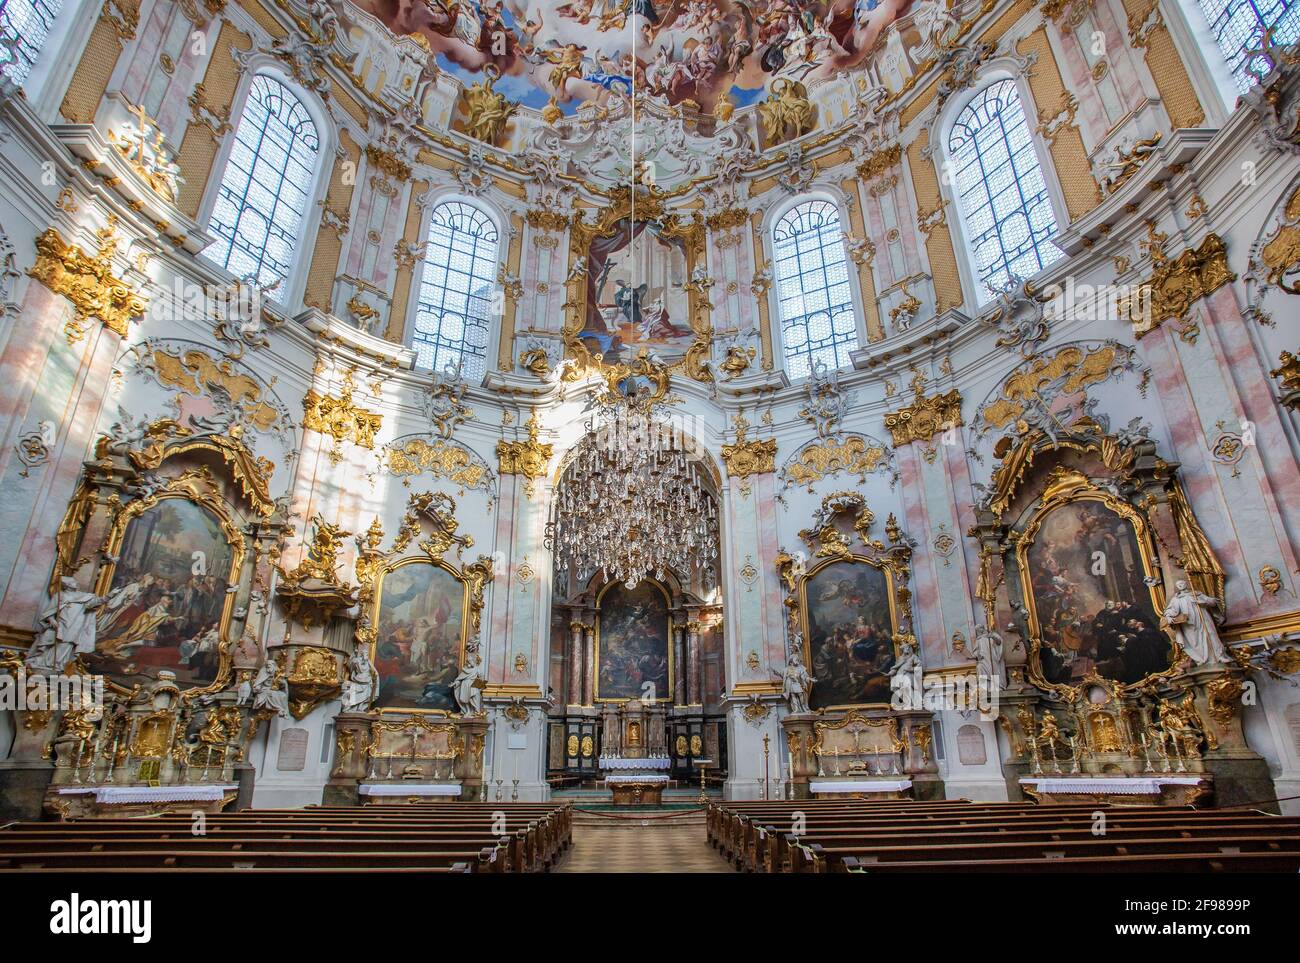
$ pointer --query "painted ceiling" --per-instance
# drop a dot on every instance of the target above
(698, 50)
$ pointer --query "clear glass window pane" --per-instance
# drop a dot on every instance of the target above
(457, 290)
(1239, 25)
(814, 302)
(264, 187)
(1000, 186)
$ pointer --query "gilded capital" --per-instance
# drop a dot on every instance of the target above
(925, 418)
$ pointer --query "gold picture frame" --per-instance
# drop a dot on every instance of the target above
(185, 487)
(467, 617)
(1070, 487)
(672, 662)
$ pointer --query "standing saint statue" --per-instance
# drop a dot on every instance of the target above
(362, 680)
(1187, 616)
(796, 682)
(990, 661)
(66, 628)
(468, 687)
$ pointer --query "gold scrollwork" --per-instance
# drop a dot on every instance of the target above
(745, 457)
(925, 418)
(87, 281)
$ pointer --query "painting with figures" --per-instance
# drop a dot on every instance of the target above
(636, 294)
(850, 634)
(419, 635)
(633, 644)
(1094, 612)
(167, 597)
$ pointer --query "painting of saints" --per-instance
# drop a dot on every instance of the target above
(418, 639)
(633, 646)
(636, 295)
(850, 634)
(167, 597)
(1094, 611)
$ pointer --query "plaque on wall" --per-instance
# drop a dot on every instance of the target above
(293, 751)
(1293, 723)
(971, 748)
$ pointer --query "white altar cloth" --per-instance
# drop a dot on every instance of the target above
(629, 777)
(150, 794)
(860, 785)
(616, 762)
(1119, 785)
(409, 789)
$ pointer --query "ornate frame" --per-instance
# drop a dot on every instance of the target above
(649, 208)
(465, 603)
(1066, 487)
(832, 545)
(437, 510)
(672, 624)
(184, 487)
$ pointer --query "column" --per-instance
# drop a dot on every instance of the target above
(693, 662)
(589, 695)
(679, 659)
(576, 661)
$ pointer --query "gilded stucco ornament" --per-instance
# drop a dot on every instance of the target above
(745, 457)
(787, 114)
(341, 419)
(487, 111)
(925, 418)
(1288, 377)
(313, 592)
(1177, 284)
(528, 457)
(87, 281)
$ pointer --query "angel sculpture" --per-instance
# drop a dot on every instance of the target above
(487, 111)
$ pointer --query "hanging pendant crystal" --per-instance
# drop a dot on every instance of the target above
(630, 503)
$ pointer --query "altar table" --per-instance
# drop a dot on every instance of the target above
(637, 789)
(1151, 789)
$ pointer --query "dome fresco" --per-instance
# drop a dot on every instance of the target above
(681, 50)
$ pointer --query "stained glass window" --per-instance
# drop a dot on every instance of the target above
(24, 28)
(1007, 214)
(266, 185)
(814, 300)
(1239, 25)
(458, 292)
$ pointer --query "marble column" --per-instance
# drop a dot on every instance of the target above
(693, 662)
(576, 660)
(679, 657)
(589, 694)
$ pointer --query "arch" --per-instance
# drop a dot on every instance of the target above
(270, 177)
(999, 183)
(816, 312)
(456, 298)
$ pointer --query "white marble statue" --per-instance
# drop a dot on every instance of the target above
(1188, 616)
(796, 683)
(271, 689)
(65, 629)
(468, 687)
(907, 663)
(990, 660)
(362, 681)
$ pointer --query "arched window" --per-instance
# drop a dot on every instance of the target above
(1006, 212)
(814, 301)
(457, 289)
(1239, 25)
(24, 28)
(266, 185)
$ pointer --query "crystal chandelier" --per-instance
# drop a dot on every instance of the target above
(630, 502)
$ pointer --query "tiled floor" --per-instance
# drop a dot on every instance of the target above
(679, 847)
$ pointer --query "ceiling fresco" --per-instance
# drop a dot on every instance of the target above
(679, 50)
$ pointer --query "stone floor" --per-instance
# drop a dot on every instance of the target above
(652, 845)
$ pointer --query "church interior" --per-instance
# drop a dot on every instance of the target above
(788, 436)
